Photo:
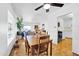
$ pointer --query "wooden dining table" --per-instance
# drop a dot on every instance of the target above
(34, 42)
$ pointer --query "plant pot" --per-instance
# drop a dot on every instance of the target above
(19, 35)
(19, 32)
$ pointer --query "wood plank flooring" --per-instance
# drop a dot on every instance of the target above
(64, 48)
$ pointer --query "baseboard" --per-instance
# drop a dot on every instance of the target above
(75, 54)
(8, 51)
(68, 38)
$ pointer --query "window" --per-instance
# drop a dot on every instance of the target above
(27, 28)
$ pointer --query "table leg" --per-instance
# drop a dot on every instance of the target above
(31, 51)
(51, 48)
(28, 51)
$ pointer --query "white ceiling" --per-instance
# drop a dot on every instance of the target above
(26, 10)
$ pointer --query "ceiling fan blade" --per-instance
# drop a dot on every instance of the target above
(38, 7)
(57, 4)
(47, 10)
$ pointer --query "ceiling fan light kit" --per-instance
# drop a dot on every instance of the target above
(46, 6)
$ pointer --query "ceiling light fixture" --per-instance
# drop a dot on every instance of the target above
(46, 6)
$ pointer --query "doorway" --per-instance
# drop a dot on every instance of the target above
(64, 26)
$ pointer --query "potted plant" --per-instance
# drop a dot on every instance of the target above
(19, 25)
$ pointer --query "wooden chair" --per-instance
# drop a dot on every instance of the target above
(43, 45)
(28, 48)
(38, 49)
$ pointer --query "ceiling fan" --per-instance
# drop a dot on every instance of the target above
(48, 7)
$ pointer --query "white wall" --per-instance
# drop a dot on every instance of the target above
(67, 32)
(65, 25)
(52, 27)
(52, 21)
(4, 48)
(38, 19)
(75, 41)
(50, 24)
(14, 29)
(75, 24)
(61, 21)
(3, 31)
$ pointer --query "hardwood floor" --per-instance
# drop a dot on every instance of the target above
(64, 48)
(19, 51)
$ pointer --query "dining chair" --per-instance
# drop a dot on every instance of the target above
(43, 45)
(29, 50)
(38, 49)
(27, 46)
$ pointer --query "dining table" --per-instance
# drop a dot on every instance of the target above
(34, 40)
